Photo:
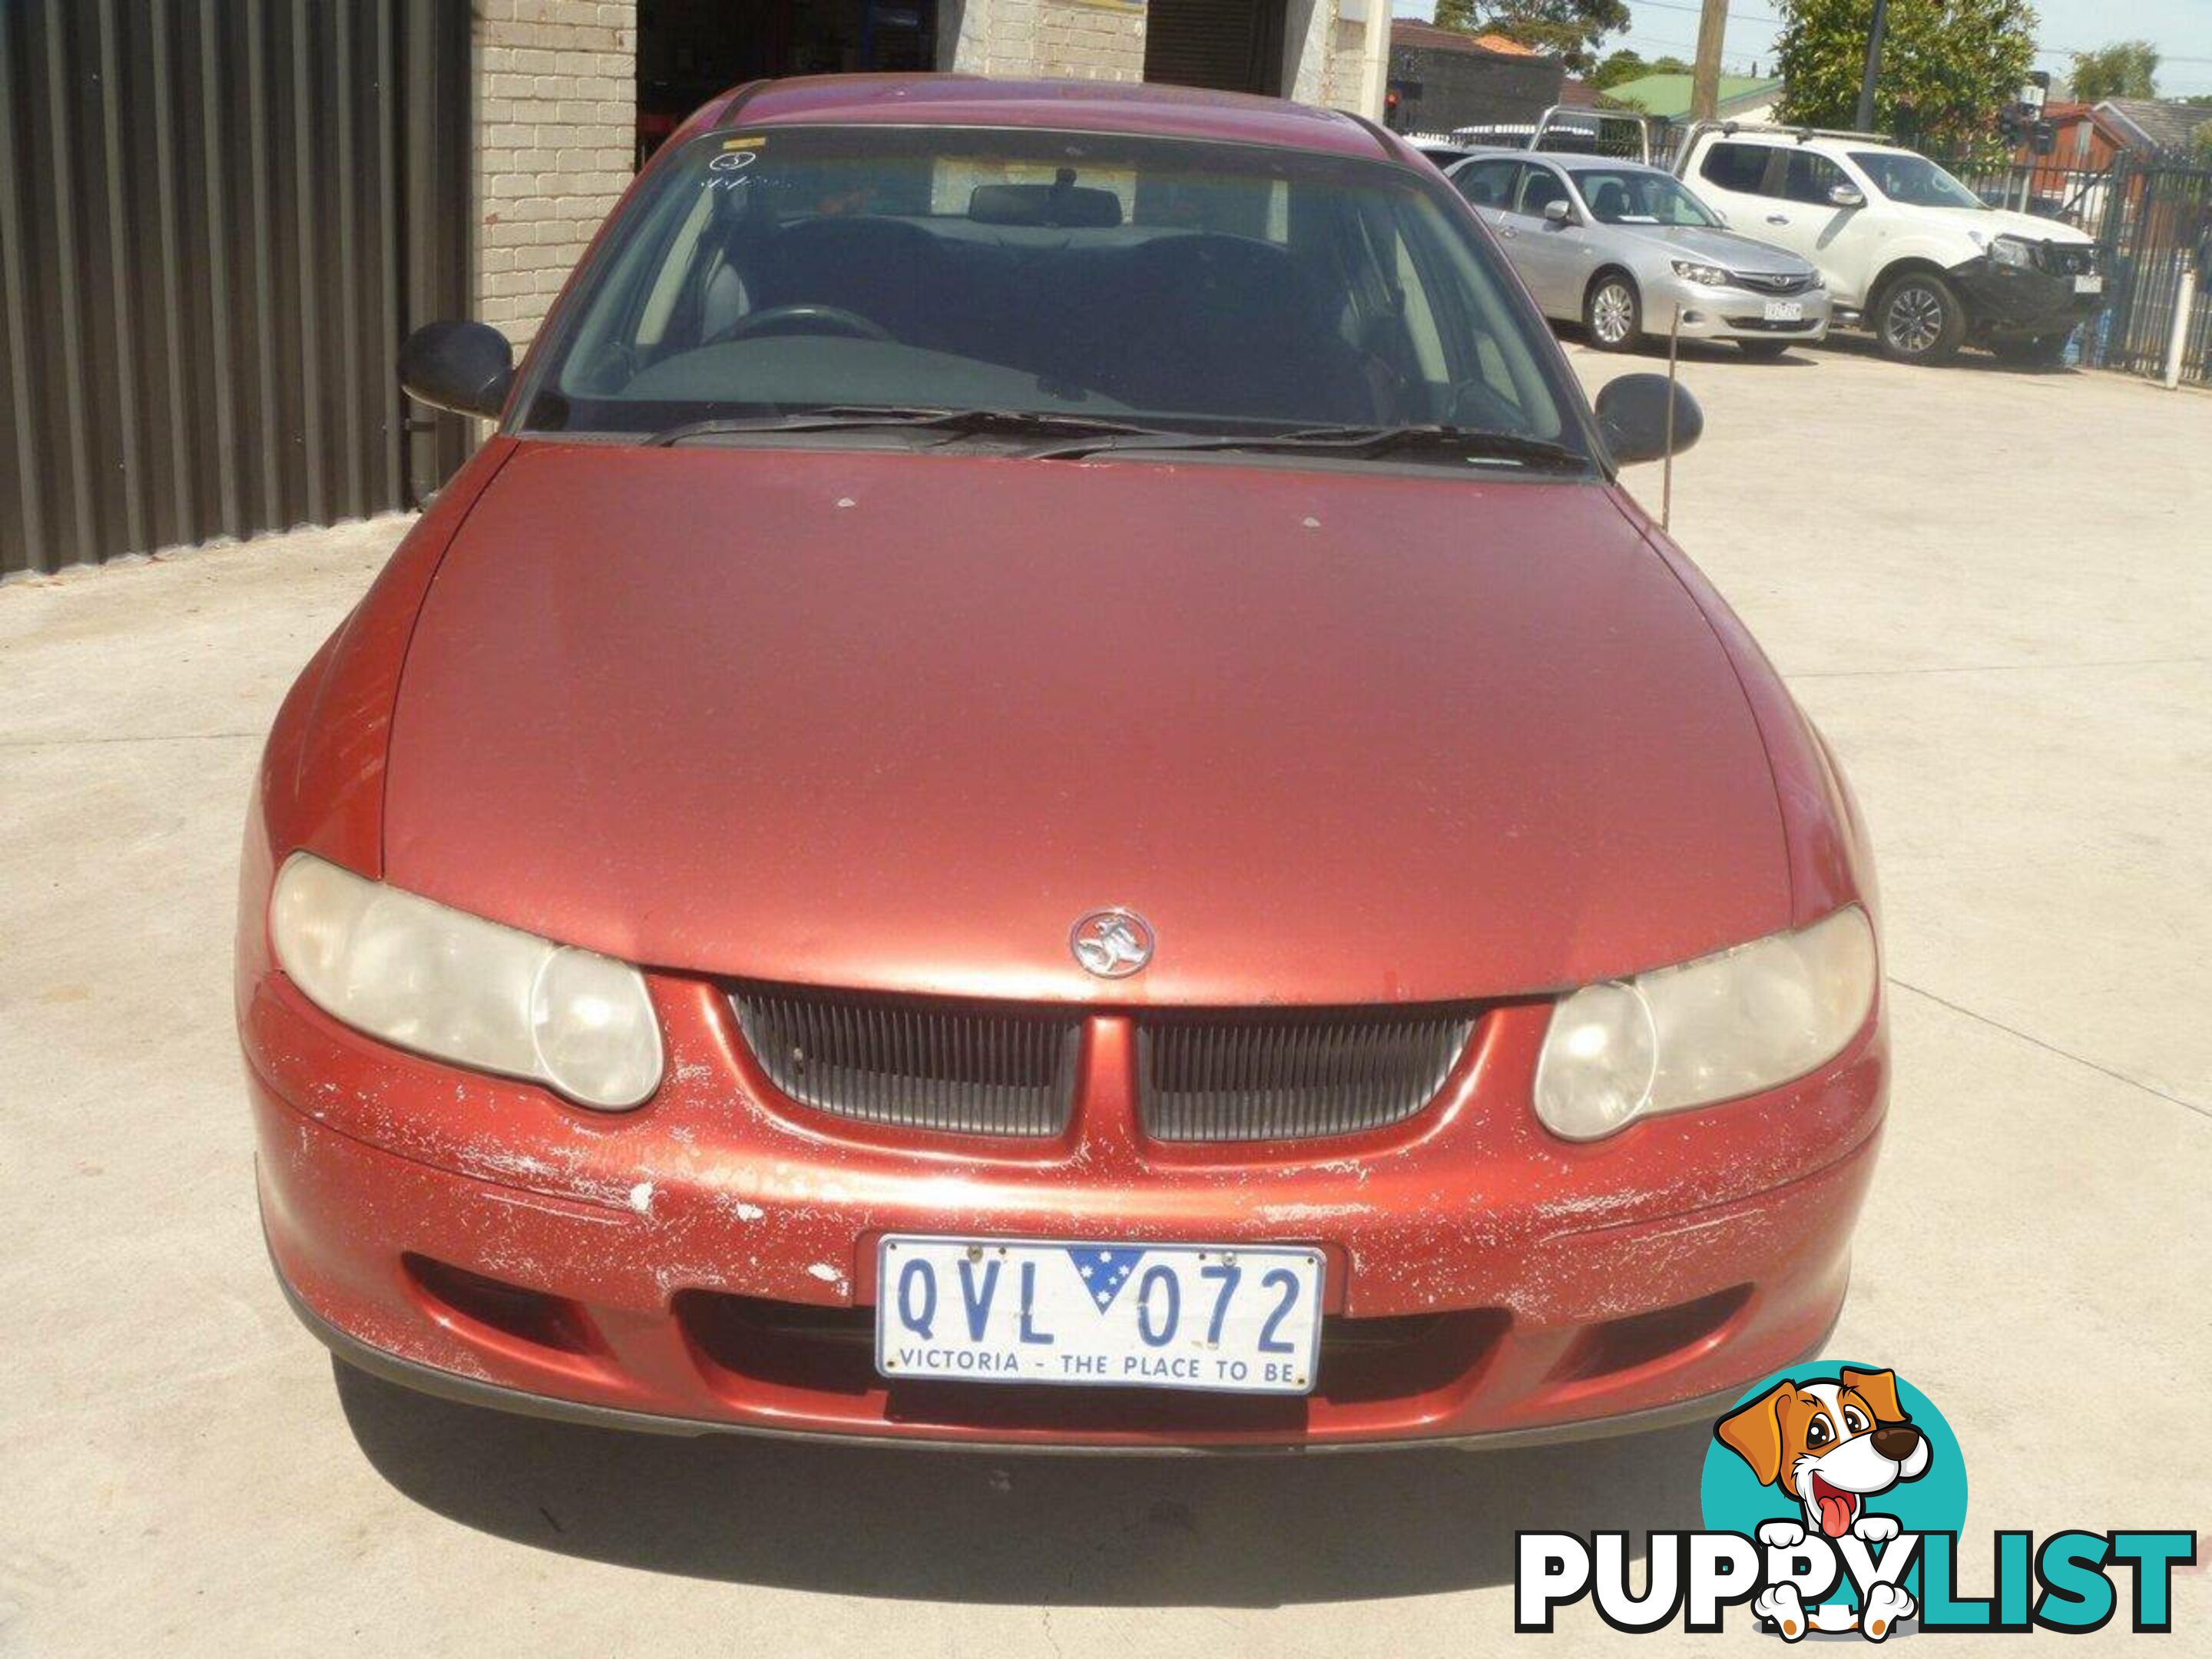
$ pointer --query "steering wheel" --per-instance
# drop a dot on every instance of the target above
(803, 319)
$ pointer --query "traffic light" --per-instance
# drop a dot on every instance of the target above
(2043, 138)
(1395, 96)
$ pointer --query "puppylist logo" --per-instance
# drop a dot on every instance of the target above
(1832, 1503)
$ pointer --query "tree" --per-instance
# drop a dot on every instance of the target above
(1569, 30)
(1949, 67)
(1628, 64)
(1618, 66)
(2125, 68)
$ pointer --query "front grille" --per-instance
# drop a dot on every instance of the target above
(1288, 1077)
(1760, 325)
(956, 1068)
(987, 1069)
(1759, 284)
(2068, 259)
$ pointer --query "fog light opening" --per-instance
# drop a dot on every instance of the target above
(1639, 1339)
(537, 1317)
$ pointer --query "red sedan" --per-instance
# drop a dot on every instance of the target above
(1041, 791)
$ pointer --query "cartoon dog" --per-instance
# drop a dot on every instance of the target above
(1831, 1446)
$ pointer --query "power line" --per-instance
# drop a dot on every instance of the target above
(1736, 58)
(1733, 16)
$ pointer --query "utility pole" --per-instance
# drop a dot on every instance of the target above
(1705, 81)
(1873, 70)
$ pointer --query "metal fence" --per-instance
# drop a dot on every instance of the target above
(2153, 220)
(217, 220)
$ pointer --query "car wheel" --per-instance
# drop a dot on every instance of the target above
(1765, 351)
(1919, 319)
(2032, 351)
(1612, 314)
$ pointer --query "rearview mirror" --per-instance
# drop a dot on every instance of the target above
(1646, 417)
(1846, 195)
(1559, 213)
(463, 366)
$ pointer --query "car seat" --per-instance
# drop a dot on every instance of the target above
(1609, 202)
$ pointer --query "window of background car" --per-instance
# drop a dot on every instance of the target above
(1914, 179)
(1487, 183)
(1738, 167)
(1540, 189)
(1634, 196)
(1200, 286)
(1810, 176)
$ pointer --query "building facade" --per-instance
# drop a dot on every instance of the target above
(1439, 79)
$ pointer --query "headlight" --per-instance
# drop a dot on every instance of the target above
(1712, 275)
(1722, 1027)
(455, 987)
(2012, 251)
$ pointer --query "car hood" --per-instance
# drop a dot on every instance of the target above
(1722, 247)
(898, 719)
(2003, 222)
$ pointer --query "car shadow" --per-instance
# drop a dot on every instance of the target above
(1654, 348)
(1022, 1530)
(1971, 361)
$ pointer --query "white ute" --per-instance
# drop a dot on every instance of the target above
(1906, 248)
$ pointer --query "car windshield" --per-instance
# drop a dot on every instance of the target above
(1135, 282)
(1634, 196)
(1914, 179)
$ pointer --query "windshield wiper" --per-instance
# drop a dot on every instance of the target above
(1354, 442)
(957, 422)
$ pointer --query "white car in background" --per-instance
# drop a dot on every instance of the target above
(1628, 251)
(1904, 246)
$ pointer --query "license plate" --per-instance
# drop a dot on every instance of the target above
(2088, 285)
(1785, 311)
(1234, 1319)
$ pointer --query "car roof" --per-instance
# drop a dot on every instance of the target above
(1580, 162)
(1566, 161)
(1144, 109)
(1790, 138)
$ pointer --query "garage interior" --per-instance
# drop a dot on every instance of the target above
(687, 51)
(1232, 46)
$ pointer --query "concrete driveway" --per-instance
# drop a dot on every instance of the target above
(1994, 592)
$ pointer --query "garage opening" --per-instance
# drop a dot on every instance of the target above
(687, 51)
(1231, 45)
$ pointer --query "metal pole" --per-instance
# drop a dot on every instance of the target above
(2184, 310)
(1666, 474)
(1873, 70)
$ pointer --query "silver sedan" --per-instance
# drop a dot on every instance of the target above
(1627, 251)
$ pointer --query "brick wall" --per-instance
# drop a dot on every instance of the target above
(556, 88)
(1067, 40)
(1076, 41)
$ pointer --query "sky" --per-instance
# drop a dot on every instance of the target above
(2181, 29)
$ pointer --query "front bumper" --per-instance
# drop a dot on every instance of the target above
(2018, 300)
(707, 1262)
(1736, 314)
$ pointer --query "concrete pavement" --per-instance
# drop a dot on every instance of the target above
(1992, 590)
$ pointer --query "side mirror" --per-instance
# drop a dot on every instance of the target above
(1559, 213)
(1846, 195)
(463, 366)
(1633, 416)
